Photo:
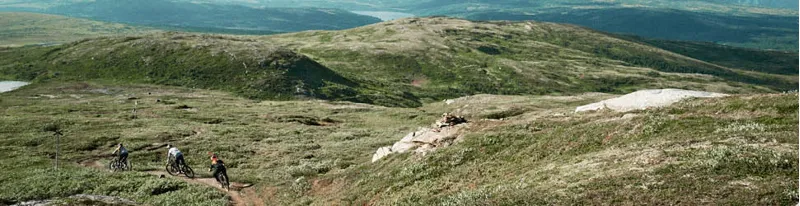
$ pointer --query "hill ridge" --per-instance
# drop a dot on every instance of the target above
(398, 63)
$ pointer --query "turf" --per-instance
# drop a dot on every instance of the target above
(732, 150)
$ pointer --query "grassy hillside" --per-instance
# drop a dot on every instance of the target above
(444, 56)
(687, 154)
(243, 66)
(517, 83)
(733, 150)
(17, 29)
(399, 63)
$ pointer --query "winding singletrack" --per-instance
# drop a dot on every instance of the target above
(235, 188)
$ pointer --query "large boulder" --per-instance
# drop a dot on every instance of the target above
(422, 141)
(644, 99)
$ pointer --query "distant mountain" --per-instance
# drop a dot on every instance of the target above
(19, 28)
(712, 21)
(184, 14)
(428, 6)
(757, 31)
(761, 24)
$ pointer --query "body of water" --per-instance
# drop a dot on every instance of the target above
(11, 85)
(385, 15)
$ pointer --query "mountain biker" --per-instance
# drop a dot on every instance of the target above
(218, 166)
(175, 153)
(123, 153)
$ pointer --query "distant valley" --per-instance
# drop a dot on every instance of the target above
(20, 28)
(766, 24)
(199, 16)
(753, 24)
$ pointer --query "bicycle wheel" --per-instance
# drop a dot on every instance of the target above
(188, 171)
(111, 165)
(172, 169)
(225, 183)
(127, 165)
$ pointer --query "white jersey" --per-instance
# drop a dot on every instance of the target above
(174, 152)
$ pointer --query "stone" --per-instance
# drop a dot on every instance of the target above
(423, 141)
(382, 152)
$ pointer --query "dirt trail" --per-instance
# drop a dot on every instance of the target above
(235, 188)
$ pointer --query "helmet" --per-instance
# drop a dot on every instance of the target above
(169, 146)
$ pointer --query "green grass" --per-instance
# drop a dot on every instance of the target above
(30, 172)
(260, 141)
(733, 150)
(656, 158)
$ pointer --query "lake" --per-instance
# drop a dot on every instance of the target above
(384, 15)
(11, 85)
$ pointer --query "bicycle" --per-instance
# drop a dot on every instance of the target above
(173, 168)
(117, 164)
(223, 181)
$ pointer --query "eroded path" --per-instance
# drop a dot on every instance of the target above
(236, 188)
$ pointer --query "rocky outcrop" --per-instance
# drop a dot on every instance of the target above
(422, 141)
(644, 99)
